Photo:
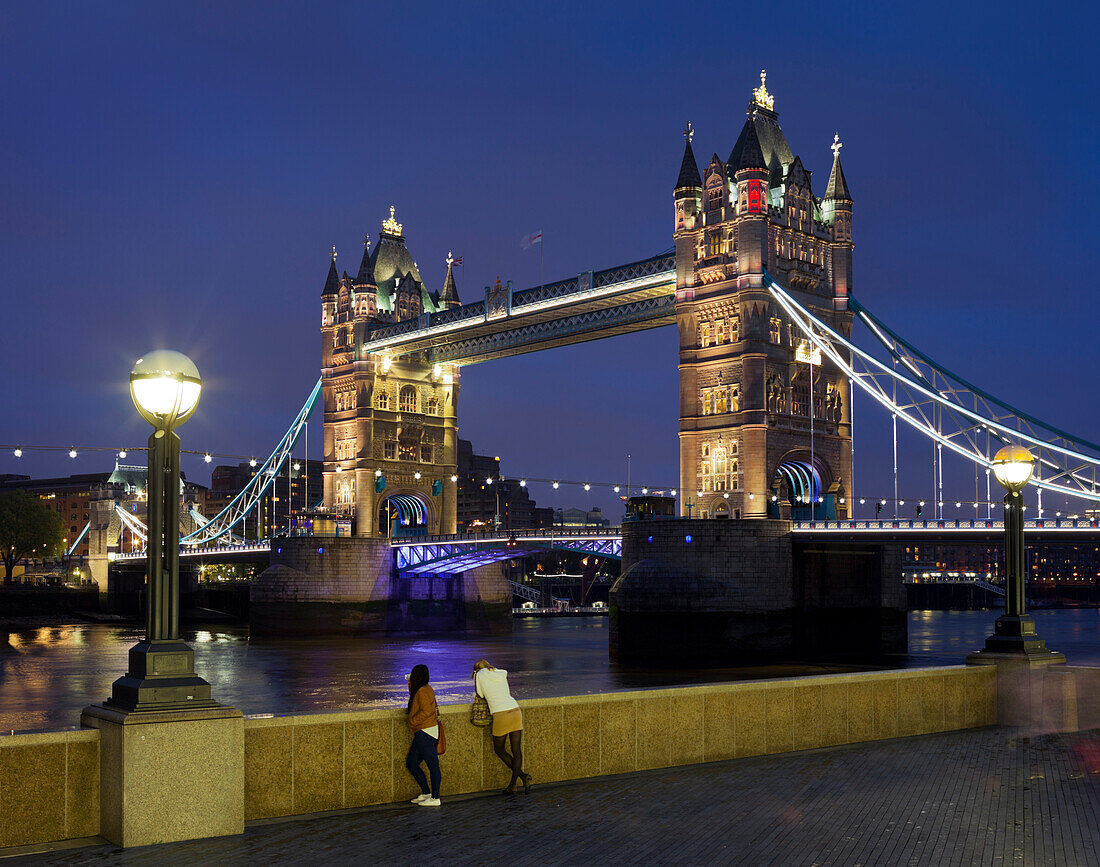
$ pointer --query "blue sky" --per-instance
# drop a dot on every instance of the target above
(174, 175)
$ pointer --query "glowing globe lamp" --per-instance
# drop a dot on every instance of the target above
(1012, 466)
(165, 386)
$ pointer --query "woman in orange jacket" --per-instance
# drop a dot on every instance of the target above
(424, 721)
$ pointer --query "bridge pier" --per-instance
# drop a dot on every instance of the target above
(324, 586)
(718, 592)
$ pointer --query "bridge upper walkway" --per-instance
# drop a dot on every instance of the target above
(592, 305)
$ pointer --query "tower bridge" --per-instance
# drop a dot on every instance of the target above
(760, 409)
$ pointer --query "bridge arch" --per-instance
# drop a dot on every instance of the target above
(404, 513)
(806, 482)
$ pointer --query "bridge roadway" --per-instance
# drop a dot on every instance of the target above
(468, 550)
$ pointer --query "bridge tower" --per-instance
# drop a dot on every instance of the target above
(761, 415)
(391, 422)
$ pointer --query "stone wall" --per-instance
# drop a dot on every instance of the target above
(332, 761)
(49, 787)
(50, 783)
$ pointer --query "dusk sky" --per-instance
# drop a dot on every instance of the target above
(173, 176)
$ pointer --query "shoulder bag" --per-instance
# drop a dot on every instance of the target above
(479, 712)
(441, 743)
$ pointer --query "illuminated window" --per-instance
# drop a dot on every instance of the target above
(714, 243)
(735, 327)
(706, 401)
(704, 334)
(408, 399)
(389, 450)
(735, 402)
(777, 330)
(719, 331)
(720, 400)
(345, 492)
(383, 399)
(721, 470)
(715, 192)
(433, 406)
(407, 452)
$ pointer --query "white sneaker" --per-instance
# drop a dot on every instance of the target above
(429, 801)
(419, 799)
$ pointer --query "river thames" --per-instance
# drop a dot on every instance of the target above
(48, 674)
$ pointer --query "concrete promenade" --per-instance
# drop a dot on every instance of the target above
(986, 796)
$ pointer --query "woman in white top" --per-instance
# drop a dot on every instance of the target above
(492, 685)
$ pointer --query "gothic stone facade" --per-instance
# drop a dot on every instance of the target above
(391, 423)
(757, 436)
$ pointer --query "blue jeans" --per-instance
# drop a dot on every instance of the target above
(423, 750)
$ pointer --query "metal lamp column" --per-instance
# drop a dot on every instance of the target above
(161, 672)
(1015, 631)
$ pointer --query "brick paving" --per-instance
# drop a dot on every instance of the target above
(978, 797)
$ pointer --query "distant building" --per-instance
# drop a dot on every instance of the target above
(580, 519)
(481, 505)
(1049, 562)
(72, 495)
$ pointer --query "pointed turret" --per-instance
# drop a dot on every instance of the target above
(332, 282)
(837, 189)
(836, 209)
(689, 170)
(747, 153)
(448, 298)
(365, 277)
(689, 190)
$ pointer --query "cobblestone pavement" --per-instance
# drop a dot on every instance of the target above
(977, 797)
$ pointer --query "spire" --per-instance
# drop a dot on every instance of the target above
(332, 282)
(837, 187)
(449, 296)
(366, 272)
(760, 95)
(747, 150)
(689, 169)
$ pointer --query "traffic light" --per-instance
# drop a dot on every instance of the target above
(878, 508)
(920, 509)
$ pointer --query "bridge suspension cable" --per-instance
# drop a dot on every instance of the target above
(258, 486)
(945, 407)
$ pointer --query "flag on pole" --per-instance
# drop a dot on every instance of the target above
(457, 261)
(529, 241)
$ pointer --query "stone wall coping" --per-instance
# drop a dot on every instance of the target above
(452, 709)
(36, 738)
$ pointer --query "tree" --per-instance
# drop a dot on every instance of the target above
(27, 523)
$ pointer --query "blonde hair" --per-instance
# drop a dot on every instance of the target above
(480, 664)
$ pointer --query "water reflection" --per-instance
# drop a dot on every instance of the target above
(48, 675)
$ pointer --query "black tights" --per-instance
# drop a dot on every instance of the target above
(513, 762)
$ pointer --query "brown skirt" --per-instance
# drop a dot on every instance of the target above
(507, 721)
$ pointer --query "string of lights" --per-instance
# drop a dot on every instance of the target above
(121, 453)
(555, 483)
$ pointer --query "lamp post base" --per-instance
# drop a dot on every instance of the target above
(1015, 638)
(161, 677)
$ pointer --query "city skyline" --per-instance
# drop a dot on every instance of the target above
(195, 208)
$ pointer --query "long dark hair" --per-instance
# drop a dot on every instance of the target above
(417, 679)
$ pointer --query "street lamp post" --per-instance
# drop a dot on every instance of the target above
(1015, 631)
(165, 387)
